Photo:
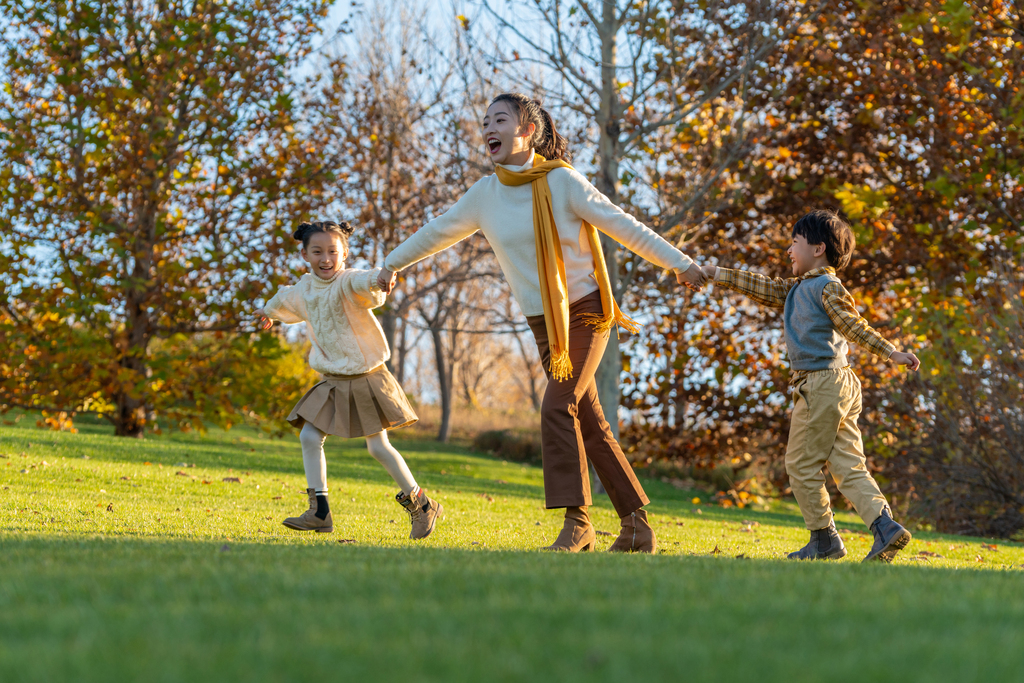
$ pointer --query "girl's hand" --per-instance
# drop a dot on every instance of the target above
(908, 359)
(386, 280)
(710, 272)
(263, 321)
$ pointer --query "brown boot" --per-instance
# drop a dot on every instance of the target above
(423, 512)
(636, 535)
(577, 533)
(308, 521)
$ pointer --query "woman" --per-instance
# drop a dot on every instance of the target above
(539, 216)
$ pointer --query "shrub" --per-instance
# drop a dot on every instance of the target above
(506, 445)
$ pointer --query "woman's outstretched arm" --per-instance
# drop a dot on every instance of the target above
(455, 225)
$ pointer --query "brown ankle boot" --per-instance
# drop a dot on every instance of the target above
(423, 512)
(636, 535)
(308, 521)
(577, 534)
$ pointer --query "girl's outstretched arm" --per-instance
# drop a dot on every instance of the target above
(286, 306)
(362, 289)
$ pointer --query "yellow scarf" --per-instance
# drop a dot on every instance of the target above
(554, 288)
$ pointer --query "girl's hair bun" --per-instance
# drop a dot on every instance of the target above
(303, 231)
(307, 230)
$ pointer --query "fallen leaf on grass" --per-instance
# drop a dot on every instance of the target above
(987, 546)
(925, 553)
(24, 471)
(182, 474)
(742, 556)
(716, 551)
(225, 547)
(599, 533)
(110, 507)
(484, 495)
(232, 480)
(977, 558)
(346, 540)
(277, 498)
(205, 482)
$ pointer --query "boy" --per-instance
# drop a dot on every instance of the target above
(820, 316)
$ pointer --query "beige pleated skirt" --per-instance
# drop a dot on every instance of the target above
(355, 405)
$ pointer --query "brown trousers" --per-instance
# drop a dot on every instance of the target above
(572, 424)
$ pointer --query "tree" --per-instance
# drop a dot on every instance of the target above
(150, 171)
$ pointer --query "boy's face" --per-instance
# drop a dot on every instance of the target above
(325, 254)
(806, 257)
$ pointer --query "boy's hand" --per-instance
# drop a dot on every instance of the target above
(263, 321)
(386, 280)
(908, 359)
(692, 277)
(710, 272)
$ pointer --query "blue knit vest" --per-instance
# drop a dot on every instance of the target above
(811, 338)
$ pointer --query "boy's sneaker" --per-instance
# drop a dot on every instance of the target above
(825, 544)
(308, 521)
(423, 512)
(890, 538)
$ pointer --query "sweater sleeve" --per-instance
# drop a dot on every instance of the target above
(360, 287)
(590, 205)
(286, 305)
(455, 225)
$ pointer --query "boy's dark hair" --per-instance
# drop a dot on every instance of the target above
(826, 227)
(547, 141)
(307, 230)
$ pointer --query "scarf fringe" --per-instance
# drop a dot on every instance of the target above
(561, 366)
(602, 323)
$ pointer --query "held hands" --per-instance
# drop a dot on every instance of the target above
(263, 321)
(709, 272)
(908, 359)
(693, 277)
(386, 280)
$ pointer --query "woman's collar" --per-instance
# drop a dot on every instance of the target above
(528, 164)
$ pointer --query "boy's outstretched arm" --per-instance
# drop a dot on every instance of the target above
(764, 290)
(843, 313)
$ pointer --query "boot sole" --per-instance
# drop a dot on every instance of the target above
(320, 530)
(888, 553)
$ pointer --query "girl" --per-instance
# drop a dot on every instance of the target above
(539, 216)
(358, 396)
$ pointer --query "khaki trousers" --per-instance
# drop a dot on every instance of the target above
(824, 432)
(572, 424)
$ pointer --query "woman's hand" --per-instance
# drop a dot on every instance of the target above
(386, 280)
(709, 272)
(908, 359)
(263, 320)
(693, 277)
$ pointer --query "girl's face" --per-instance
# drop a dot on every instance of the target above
(806, 257)
(507, 141)
(325, 254)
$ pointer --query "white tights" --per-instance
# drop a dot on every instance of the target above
(315, 464)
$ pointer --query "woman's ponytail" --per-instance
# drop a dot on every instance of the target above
(550, 144)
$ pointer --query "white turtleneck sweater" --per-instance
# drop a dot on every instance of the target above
(504, 213)
(346, 337)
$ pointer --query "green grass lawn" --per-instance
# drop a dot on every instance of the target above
(165, 560)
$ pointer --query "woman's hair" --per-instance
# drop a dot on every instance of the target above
(546, 141)
(307, 230)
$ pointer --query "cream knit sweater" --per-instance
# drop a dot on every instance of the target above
(347, 339)
(504, 214)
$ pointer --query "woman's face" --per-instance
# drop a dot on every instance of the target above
(503, 135)
(325, 254)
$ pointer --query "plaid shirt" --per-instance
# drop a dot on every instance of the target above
(838, 303)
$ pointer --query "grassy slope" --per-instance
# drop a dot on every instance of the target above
(115, 569)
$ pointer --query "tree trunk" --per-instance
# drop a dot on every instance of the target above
(130, 418)
(444, 383)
